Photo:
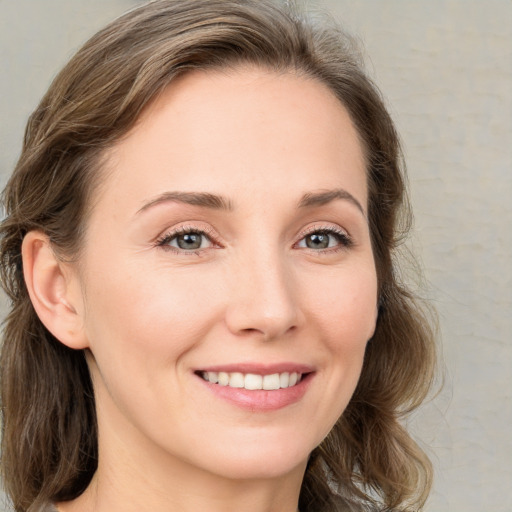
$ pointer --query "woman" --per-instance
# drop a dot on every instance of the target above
(198, 247)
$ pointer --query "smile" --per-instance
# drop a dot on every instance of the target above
(252, 381)
(258, 387)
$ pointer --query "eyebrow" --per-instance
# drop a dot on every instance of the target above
(204, 199)
(312, 199)
(217, 202)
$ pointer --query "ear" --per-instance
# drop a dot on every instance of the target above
(54, 289)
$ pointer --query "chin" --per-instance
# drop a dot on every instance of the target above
(259, 460)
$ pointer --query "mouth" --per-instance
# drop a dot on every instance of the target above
(258, 387)
(253, 381)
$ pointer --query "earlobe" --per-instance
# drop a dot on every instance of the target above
(52, 288)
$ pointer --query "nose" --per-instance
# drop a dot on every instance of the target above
(263, 301)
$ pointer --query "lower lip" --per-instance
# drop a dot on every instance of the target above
(261, 400)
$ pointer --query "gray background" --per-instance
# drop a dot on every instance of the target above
(445, 67)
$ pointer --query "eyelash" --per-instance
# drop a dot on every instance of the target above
(165, 240)
(343, 239)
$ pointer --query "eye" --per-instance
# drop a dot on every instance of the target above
(187, 240)
(322, 239)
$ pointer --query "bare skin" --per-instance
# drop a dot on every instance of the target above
(230, 234)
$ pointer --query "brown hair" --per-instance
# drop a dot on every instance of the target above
(49, 442)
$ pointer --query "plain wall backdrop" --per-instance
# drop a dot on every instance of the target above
(445, 69)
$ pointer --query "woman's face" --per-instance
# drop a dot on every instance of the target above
(227, 256)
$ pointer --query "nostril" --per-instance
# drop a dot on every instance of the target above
(267, 333)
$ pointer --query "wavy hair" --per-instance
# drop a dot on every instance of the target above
(49, 431)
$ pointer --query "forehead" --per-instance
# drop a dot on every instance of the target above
(208, 129)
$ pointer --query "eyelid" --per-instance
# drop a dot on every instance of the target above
(327, 228)
(162, 240)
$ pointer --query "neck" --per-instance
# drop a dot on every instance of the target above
(110, 492)
(133, 475)
(102, 496)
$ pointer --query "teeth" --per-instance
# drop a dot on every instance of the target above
(223, 378)
(213, 377)
(253, 381)
(271, 381)
(236, 380)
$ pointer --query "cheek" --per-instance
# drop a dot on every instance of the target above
(148, 315)
(344, 303)
(141, 326)
(342, 307)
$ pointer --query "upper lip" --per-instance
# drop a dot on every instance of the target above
(259, 368)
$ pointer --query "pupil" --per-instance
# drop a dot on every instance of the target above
(189, 241)
(318, 241)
